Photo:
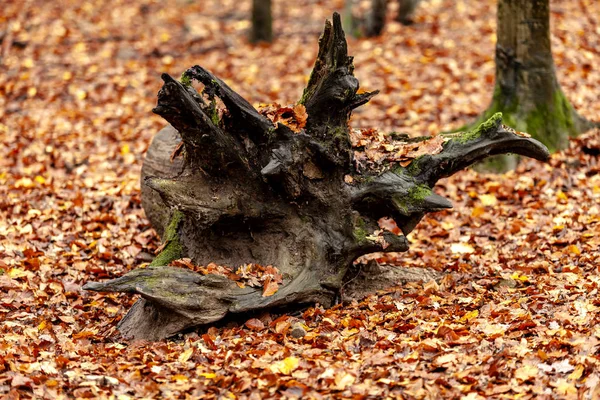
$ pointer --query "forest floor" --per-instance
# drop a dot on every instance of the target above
(517, 314)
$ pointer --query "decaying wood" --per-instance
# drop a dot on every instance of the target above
(247, 190)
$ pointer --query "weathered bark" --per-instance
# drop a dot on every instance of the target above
(527, 91)
(406, 9)
(262, 21)
(249, 191)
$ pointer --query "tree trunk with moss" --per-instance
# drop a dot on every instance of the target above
(527, 91)
(262, 21)
(247, 190)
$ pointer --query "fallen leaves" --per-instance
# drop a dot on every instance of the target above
(378, 148)
(470, 316)
(255, 324)
(183, 357)
(254, 275)
(75, 94)
(488, 200)
(404, 153)
(461, 248)
(294, 117)
(285, 366)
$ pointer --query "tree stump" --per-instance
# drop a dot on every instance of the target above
(247, 190)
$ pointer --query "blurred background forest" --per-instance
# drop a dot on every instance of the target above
(434, 75)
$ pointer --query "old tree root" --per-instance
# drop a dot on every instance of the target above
(246, 190)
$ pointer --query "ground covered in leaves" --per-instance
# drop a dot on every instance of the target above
(517, 314)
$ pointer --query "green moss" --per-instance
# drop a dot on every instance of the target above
(306, 93)
(364, 178)
(360, 232)
(418, 193)
(338, 131)
(214, 112)
(215, 117)
(483, 128)
(398, 169)
(185, 80)
(550, 121)
(414, 168)
(415, 196)
(401, 204)
(490, 124)
(172, 249)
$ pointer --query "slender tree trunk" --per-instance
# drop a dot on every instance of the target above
(247, 189)
(406, 9)
(350, 22)
(262, 21)
(527, 91)
(376, 18)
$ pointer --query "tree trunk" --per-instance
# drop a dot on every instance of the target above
(527, 91)
(406, 9)
(250, 191)
(376, 18)
(262, 21)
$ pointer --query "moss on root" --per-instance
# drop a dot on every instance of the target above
(185, 80)
(418, 193)
(172, 249)
(360, 232)
(551, 122)
(214, 113)
(414, 168)
(484, 127)
(307, 93)
(415, 197)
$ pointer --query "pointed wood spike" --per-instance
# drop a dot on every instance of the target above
(339, 45)
(435, 202)
(466, 148)
(244, 115)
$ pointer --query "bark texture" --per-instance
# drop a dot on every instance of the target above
(248, 191)
(527, 91)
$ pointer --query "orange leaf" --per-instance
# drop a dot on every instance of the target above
(300, 115)
(270, 287)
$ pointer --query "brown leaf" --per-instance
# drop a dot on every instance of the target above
(255, 324)
(177, 151)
